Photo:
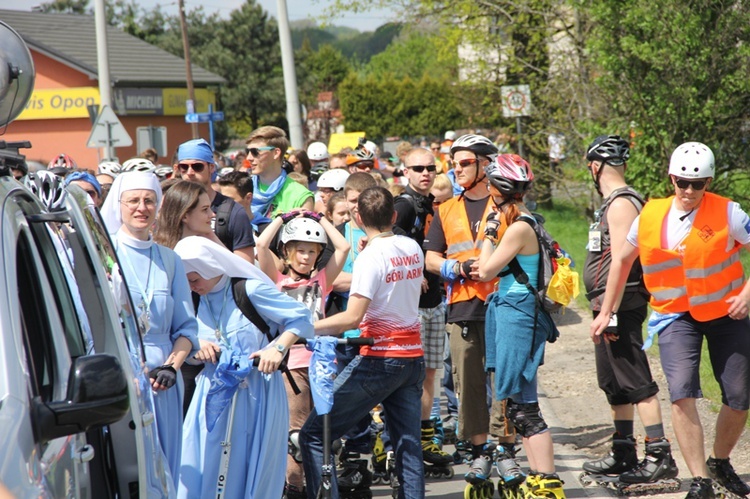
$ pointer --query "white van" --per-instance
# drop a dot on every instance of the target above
(76, 411)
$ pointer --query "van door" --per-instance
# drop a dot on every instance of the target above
(132, 442)
(51, 337)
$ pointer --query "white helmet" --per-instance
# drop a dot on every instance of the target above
(138, 165)
(48, 187)
(317, 151)
(692, 160)
(334, 179)
(450, 135)
(111, 168)
(305, 230)
(371, 146)
(478, 144)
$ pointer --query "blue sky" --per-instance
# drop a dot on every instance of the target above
(297, 9)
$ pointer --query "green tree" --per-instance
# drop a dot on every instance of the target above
(678, 77)
(385, 106)
(66, 6)
(412, 55)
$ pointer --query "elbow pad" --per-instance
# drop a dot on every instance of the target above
(446, 270)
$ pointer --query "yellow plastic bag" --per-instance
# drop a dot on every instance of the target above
(563, 287)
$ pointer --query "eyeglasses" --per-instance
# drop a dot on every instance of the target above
(463, 163)
(365, 165)
(421, 168)
(697, 185)
(134, 203)
(197, 167)
(255, 151)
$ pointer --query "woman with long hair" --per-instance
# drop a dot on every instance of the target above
(185, 211)
(516, 349)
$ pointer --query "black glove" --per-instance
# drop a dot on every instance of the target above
(465, 268)
(286, 217)
(398, 173)
(491, 227)
(312, 215)
(164, 375)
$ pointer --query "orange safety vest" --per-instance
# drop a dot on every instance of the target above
(703, 272)
(462, 246)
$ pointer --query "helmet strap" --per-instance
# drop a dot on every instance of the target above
(477, 179)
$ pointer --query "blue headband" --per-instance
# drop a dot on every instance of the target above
(197, 149)
(85, 177)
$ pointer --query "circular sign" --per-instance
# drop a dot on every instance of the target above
(516, 101)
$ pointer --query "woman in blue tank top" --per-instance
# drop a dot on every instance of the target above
(517, 328)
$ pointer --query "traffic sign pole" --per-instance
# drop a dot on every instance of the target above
(211, 126)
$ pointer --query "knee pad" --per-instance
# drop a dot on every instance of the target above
(527, 418)
(294, 449)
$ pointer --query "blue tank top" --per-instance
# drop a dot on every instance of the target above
(508, 283)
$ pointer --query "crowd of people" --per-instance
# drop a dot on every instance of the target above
(231, 268)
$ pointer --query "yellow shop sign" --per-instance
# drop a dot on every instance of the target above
(51, 103)
(175, 98)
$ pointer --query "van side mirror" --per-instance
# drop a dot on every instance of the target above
(97, 396)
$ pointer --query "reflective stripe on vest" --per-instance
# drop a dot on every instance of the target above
(462, 246)
(703, 273)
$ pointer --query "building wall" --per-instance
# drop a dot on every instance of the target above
(55, 120)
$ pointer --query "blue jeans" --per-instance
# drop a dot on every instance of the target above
(366, 382)
(357, 437)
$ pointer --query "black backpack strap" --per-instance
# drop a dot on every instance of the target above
(221, 226)
(196, 301)
(248, 310)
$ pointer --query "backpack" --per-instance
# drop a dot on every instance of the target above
(251, 313)
(416, 227)
(549, 252)
(221, 225)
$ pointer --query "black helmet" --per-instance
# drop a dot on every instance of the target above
(611, 149)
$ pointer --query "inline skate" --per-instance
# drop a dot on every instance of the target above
(378, 460)
(511, 475)
(722, 472)
(354, 479)
(438, 463)
(478, 477)
(542, 486)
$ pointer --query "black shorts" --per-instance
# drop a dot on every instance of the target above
(622, 366)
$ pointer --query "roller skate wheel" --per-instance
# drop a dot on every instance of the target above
(449, 473)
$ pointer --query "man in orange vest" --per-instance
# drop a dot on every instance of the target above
(689, 249)
(451, 247)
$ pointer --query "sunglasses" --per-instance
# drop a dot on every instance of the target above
(463, 163)
(197, 167)
(255, 151)
(697, 185)
(421, 168)
(365, 165)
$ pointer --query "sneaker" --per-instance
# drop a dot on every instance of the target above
(657, 465)
(481, 466)
(507, 467)
(723, 472)
(621, 458)
(701, 488)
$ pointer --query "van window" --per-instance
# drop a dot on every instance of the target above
(51, 254)
(35, 321)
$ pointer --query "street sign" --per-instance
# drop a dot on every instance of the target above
(204, 117)
(516, 100)
(108, 131)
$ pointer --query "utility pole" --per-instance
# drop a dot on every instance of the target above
(290, 78)
(188, 67)
(102, 63)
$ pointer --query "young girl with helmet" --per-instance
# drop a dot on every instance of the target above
(304, 236)
(517, 353)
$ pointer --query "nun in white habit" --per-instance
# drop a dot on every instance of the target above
(229, 342)
(163, 306)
